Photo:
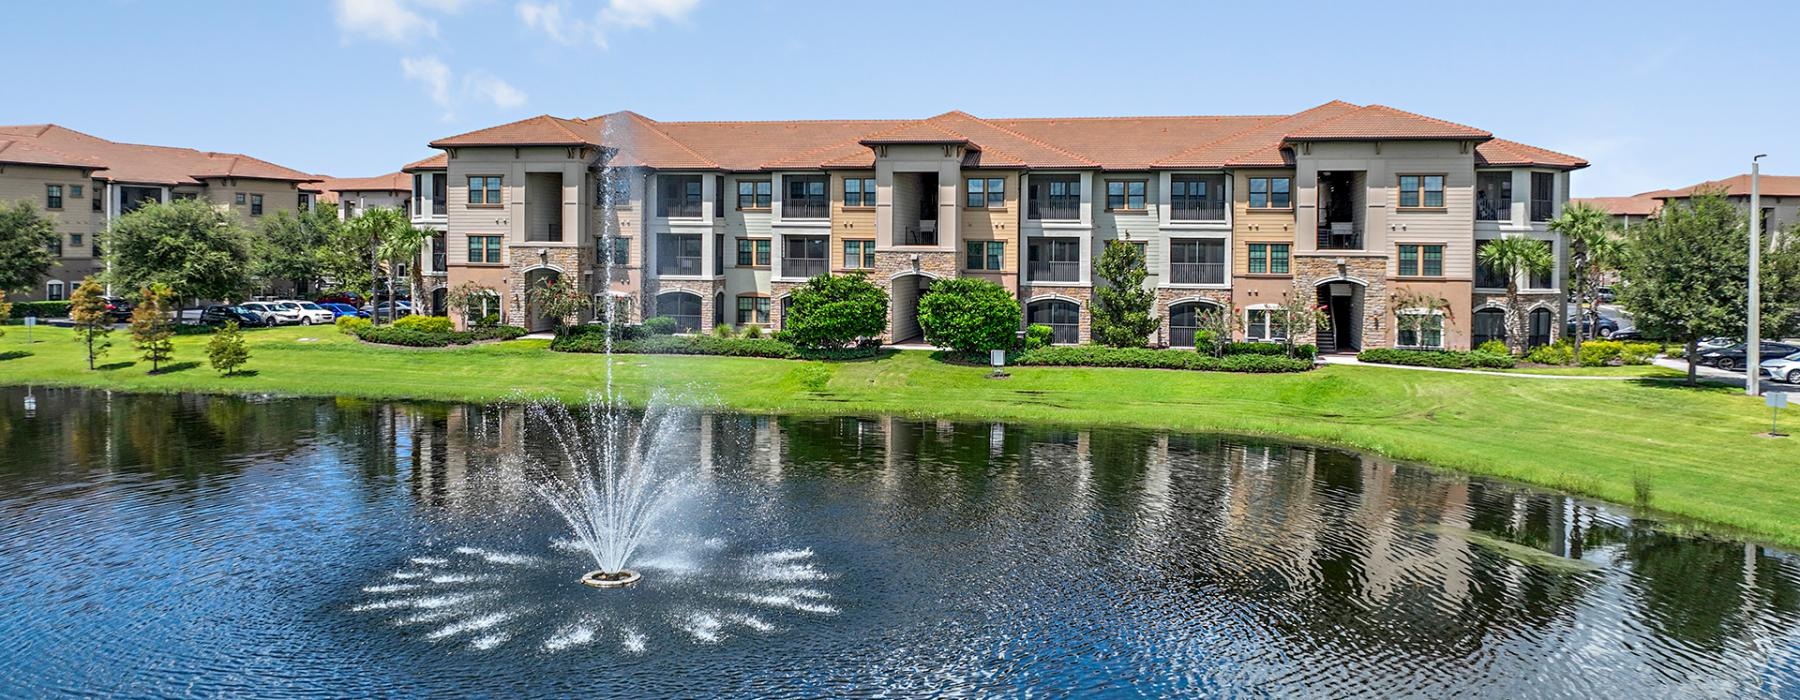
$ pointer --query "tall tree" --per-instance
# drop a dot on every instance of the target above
(87, 309)
(392, 240)
(25, 240)
(1513, 257)
(152, 329)
(1122, 305)
(347, 259)
(197, 250)
(1593, 245)
(1686, 274)
(289, 246)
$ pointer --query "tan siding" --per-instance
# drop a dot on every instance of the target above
(991, 224)
(1258, 225)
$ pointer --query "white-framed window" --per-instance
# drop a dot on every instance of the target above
(1421, 328)
(1264, 324)
(53, 291)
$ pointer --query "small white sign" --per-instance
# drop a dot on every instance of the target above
(30, 321)
(1778, 399)
(997, 358)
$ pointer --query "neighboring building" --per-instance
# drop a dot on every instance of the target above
(355, 195)
(717, 222)
(1628, 211)
(1779, 197)
(84, 182)
(429, 199)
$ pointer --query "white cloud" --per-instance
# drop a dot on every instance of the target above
(439, 82)
(553, 18)
(395, 21)
(434, 76)
(494, 90)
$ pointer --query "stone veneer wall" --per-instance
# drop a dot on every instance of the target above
(1529, 301)
(1310, 270)
(891, 264)
(706, 289)
(1083, 296)
(524, 258)
(1170, 296)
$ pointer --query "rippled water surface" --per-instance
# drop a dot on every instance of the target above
(184, 545)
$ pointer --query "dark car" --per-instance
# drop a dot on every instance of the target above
(1604, 329)
(1627, 334)
(1733, 358)
(117, 309)
(219, 315)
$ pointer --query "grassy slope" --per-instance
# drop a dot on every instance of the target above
(1697, 448)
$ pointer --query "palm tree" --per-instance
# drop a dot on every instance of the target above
(1514, 257)
(1593, 249)
(395, 242)
(401, 246)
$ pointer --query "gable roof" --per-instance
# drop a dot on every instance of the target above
(1635, 205)
(1737, 186)
(1105, 143)
(130, 162)
(391, 182)
(437, 162)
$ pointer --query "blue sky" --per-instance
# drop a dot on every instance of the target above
(1655, 95)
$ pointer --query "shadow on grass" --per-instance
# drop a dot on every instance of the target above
(110, 366)
(240, 373)
(14, 355)
(176, 367)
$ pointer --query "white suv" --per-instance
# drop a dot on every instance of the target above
(274, 312)
(310, 313)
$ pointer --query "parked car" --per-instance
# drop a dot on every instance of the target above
(351, 298)
(1733, 358)
(1604, 329)
(1714, 343)
(117, 308)
(218, 315)
(340, 310)
(1786, 368)
(1606, 295)
(1626, 334)
(400, 308)
(273, 314)
(310, 313)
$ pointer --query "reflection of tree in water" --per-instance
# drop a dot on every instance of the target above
(1709, 593)
(181, 436)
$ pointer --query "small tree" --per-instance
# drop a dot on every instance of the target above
(151, 329)
(199, 251)
(1593, 249)
(1301, 315)
(559, 298)
(1413, 309)
(1214, 327)
(1513, 257)
(969, 315)
(227, 351)
(835, 311)
(1122, 305)
(87, 309)
(25, 240)
(468, 298)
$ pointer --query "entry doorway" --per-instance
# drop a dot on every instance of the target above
(907, 290)
(1343, 305)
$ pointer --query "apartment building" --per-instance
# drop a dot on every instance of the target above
(84, 182)
(429, 206)
(1348, 206)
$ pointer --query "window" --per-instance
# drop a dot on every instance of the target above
(1184, 322)
(1539, 331)
(754, 194)
(1053, 260)
(484, 190)
(53, 290)
(806, 198)
(1421, 260)
(1493, 196)
(989, 193)
(719, 197)
(1054, 197)
(804, 256)
(1126, 195)
(859, 192)
(99, 200)
(621, 252)
(1486, 276)
(753, 252)
(1547, 278)
(678, 196)
(55, 246)
(418, 201)
(238, 199)
(75, 191)
(859, 254)
(256, 205)
(1490, 324)
(1421, 329)
(1197, 198)
(677, 254)
(1268, 259)
(684, 307)
(53, 195)
(1421, 191)
(1271, 193)
(1264, 325)
(1197, 260)
(439, 256)
(74, 240)
(1063, 318)
(985, 255)
(753, 310)
(1543, 196)
(787, 304)
(484, 249)
(621, 188)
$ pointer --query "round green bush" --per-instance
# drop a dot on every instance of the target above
(659, 325)
(425, 324)
(1038, 335)
(349, 325)
(969, 315)
(1494, 347)
(835, 311)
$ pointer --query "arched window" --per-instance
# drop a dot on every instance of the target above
(53, 291)
(787, 304)
(1540, 328)
(1490, 324)
(718, 309)
(1184, 322)
(1063, 317)
(684, 307)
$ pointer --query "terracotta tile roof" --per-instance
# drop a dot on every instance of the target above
(391, 182)
(138, 163)
(1635, 205)
(29, 152)
(437, 162)
(1738, 186)
(1504, 152)
(1108, 143)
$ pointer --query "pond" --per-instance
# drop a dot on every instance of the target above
(194, 545)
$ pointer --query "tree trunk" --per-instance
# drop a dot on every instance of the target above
(1693, 348)
(393, 297)
(420, 304)
(1514, 318)
(374, 286)
(1581, 316)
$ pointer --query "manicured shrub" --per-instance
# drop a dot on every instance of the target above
(1493, 347)
(724, 331)
(1038, 335)
(226, 351)
(1558, 353)
(1206, 342)
(1450, 359)
(678, 345)
(495, 333)
(349, 325)
(1306, 351)
(753, 331)
(1101, 356)
(1255, 348)
(967, 315)
(425, 324)
(835, 311)
(40, 309)
(659, 325)
(409, 337)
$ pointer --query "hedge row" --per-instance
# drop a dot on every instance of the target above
(390, 335)
(595, 342)
(1596, 353)
(40, 309)
(1449, 359)
(1101, 356)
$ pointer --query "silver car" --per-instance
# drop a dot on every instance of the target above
(1786, 369)
(274, 313)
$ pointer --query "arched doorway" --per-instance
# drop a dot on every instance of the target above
(1342, 300)
(1184, 321)
(1538, 330)
(684, 307)
(907, 290)
(1490, 324)
(438, 298)
(1061, 315)
(536, 320)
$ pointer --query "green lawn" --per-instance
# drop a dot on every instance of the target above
(1697, 450)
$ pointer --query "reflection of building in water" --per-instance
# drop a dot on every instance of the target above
(451, 447)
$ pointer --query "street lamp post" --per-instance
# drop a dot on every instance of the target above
(1753, 339)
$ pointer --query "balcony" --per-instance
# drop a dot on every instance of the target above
(1197, 273)
(803, 268)
(1340, 235)
(925, 233)
(1054, 271)
(1207, 213)
(805, 210)
(679, 265)
(1051, 212)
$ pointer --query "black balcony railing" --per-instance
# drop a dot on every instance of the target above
(679, 266)
(1057, 213)
(1054, 271)
(1197, 273)
(804, 210)
(806, 268)
(1215, 213)
(1340, 236)
(914, 235)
